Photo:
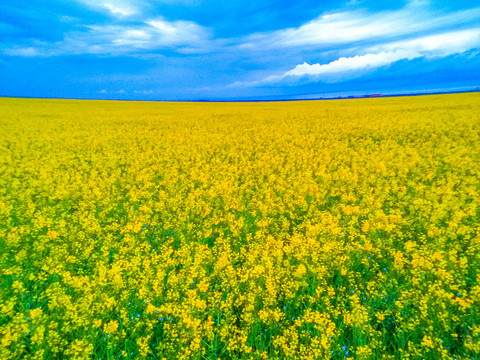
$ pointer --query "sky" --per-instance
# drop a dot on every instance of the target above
(236, 50)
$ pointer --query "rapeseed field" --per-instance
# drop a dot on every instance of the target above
(345, 229)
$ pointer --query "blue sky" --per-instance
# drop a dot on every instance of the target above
(266, 49)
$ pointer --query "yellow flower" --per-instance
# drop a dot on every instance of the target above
(301, 270)
(209, 322)
(35, 313)
(365, 226)
(410, 246)
(110, 327)
(427, 342)
(203, 286)
(143, 347)
(380, 317)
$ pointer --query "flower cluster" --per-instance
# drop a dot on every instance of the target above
(303, 230)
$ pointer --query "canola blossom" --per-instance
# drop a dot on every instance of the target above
(346, 229)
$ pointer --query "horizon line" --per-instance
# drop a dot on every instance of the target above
(233, 100)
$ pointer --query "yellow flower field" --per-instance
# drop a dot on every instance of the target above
(346, 229)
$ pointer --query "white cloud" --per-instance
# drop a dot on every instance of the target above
(116, 7)
(355, 63)
(154, 34)
(367, 40)
(151, 35)
(440, 45)
(124, 8)
(179, 32)
(120, 10)
(444, 44)
(338, 69)
(358, 26)
(23, 51)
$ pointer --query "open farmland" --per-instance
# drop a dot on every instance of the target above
(345, 229)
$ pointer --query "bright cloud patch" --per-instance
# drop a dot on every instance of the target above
(439, 45)
(117, 10)
(345, 67)
(179, 32)
(354, 63)
(124, 39)
(23, 51)
(115, 7)
(350, 27)
(153, 34)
